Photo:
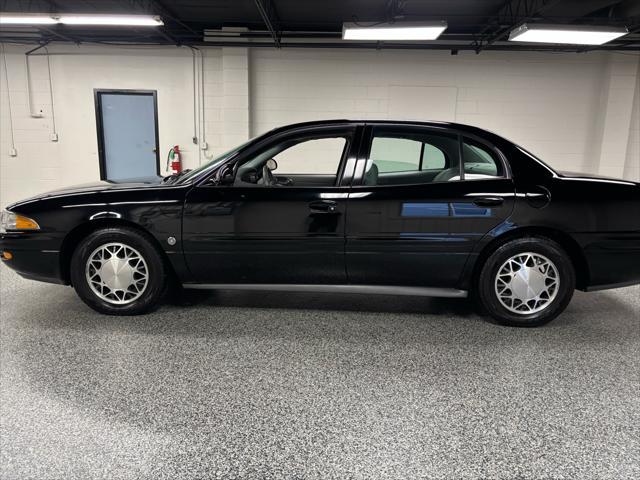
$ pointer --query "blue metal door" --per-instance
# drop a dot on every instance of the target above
(127, 135)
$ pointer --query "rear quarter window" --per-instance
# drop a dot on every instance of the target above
(480, 161)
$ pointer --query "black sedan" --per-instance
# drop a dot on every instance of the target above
(374, 207)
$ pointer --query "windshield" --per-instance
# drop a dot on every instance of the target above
(190, 175)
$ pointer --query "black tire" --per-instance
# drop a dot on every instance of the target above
(487, 296)
(156, 283)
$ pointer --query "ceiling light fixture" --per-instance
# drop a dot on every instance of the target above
(123, 20)
(26, 19)
(81, 19)
(394, 31)
(566, 34)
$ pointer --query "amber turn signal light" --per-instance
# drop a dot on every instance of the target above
(13, 221)
(7, 256)
(24, 223)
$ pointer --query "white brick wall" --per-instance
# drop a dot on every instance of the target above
(548, 103)
(44, 165)
(577, 112)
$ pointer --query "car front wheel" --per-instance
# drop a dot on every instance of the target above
(117, 271)
(526, 282)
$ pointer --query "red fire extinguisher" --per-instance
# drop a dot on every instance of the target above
(174, 162)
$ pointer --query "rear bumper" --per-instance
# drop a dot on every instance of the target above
(613, 259)
(29, 259)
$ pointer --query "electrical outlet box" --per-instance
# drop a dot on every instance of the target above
(54, 137)
(13, 152)
(204, 145)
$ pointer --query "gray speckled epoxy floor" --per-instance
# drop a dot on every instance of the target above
(259, 385)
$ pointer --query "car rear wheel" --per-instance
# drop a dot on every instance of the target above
(526, 282)
(118, 271)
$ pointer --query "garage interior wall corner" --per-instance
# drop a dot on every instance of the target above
(618, 118)
(632, 163)
(577, 112)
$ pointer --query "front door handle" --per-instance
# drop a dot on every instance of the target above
(323, 206)
(488, 201)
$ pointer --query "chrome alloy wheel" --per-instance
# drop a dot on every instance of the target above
(527, 283)
(117, 273)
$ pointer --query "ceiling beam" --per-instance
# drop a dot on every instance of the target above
(627, 46)
(513, 14)
(502, 46)
(168, 12)
(572, 10)
(168, 15)
(269, 16)
(628, 9)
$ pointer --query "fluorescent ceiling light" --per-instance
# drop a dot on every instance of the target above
(26, 19)
(126, 20)
(567, 34)
(394, 31)
(82, 19)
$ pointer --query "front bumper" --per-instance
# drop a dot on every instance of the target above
(30, 259)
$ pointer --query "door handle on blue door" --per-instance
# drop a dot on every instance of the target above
(488, 201)
(323, 206)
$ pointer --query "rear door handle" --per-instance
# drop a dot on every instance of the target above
(323, 206)
(488, 201)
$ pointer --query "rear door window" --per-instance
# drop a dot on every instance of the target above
(410, 156)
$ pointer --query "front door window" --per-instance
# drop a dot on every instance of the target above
(299, 162)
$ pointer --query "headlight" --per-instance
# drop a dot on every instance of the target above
(13, 221)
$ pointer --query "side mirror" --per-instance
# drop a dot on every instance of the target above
(250, 176)
(227, 179)
(223, 177)
(271, 164)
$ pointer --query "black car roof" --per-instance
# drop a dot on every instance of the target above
(433, 123)
(487, 135)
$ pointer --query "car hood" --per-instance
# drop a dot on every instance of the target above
(128, 184)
